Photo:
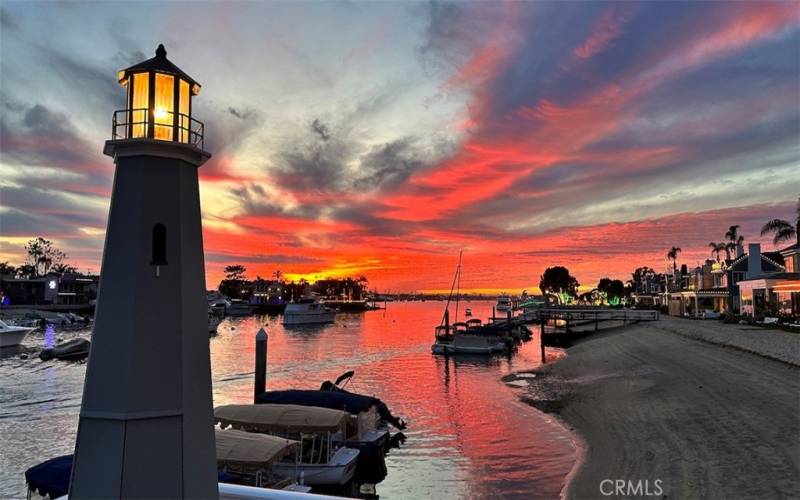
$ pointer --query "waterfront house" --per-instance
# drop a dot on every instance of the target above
(649, 288)
(267, 292)
(703, 290)
(773, 294)
(714, 286)
(53, 289)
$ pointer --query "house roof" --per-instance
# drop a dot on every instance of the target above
(774, 276)
(791, 249)
(774, 258)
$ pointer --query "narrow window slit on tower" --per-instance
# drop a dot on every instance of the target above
(159, 255)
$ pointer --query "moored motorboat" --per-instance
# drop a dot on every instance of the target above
(13, 335)
(503, 304)
(372, 416)
(239, 307)
(250, 459)
(321, 462)
(307, 311)
(468, 312)
(467, 343)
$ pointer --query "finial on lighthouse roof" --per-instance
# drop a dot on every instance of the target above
(161, 51)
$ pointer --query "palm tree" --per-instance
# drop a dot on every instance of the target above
(783, 230)
(673, 256)
(716, 248)
(278, 275)
(734, 239)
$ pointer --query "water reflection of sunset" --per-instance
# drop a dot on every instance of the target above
(467, 432)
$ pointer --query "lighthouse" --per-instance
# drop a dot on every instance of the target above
(146, 419)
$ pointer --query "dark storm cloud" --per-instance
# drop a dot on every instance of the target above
(256, 200)
(243, 114)
(389, 164)
(96, 84)
(320, 129)
(36, 135)
(67, 210)
(19, 223)
(7, 21)
(226, 258)
(452, 32)
(332, 164)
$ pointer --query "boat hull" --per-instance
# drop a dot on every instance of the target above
(309, 318)
(339, 470)
(14, 336)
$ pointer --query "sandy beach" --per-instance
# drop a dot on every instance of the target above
(686, 403)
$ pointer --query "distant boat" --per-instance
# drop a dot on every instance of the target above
(13, 335)
(239, 307)
(307, 311)
(503, 304)
(217, 302)
(468, 312)
(458, 338)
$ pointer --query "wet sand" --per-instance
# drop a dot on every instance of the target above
(652, 402)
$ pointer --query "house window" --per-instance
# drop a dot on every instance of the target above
(738, 276)
(159, 254)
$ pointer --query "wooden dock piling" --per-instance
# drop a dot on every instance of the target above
(260, 382)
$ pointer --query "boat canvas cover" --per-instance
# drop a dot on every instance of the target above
(246, 451)
(50, 478)
(280, 418)
(344, 401)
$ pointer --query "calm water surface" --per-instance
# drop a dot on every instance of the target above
(468, 435)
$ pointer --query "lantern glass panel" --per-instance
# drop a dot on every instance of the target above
(141, 88)
(164, 106)
(183, 118)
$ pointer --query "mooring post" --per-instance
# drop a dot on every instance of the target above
(541, 335)
(508, 318)
(260, 385)
(492, 314)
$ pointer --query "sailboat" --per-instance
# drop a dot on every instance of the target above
(456, 338)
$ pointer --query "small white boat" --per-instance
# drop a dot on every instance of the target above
(307, 311)
(503, 303)
(464, 343)
(12, 335)
(320, 462)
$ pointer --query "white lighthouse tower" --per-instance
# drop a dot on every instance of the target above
(146, 421)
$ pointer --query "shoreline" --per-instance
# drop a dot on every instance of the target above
(704, 408)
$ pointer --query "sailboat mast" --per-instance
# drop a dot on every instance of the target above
(458, 281)
(452, 287)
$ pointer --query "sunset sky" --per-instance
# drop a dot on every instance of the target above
(382, 138)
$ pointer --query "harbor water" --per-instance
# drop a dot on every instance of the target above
(468, 434)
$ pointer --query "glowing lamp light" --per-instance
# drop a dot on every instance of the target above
(52, 284)
(159, 102)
